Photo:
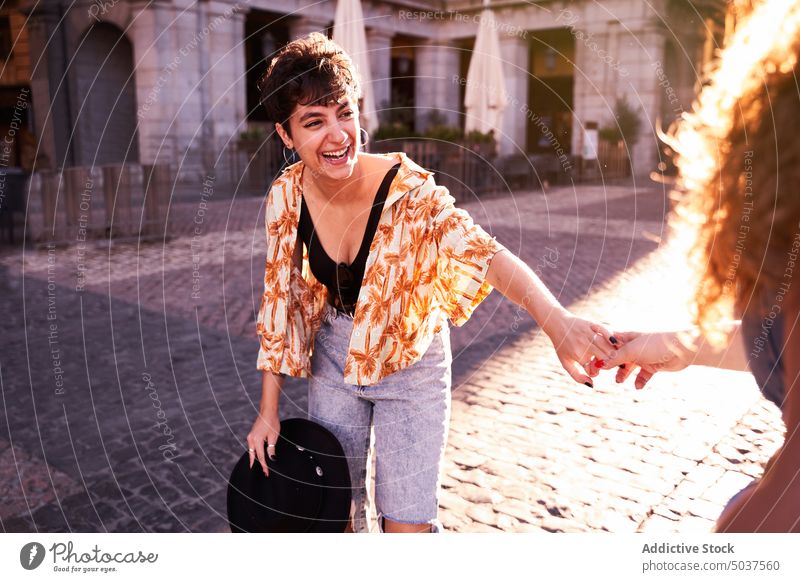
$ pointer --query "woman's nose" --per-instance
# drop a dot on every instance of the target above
(337, 134)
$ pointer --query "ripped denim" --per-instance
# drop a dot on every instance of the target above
(409, 414)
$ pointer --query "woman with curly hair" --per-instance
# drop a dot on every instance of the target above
(738, 155)
(367, 259)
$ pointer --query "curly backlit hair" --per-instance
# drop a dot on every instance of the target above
(312, 70)
(738, 156)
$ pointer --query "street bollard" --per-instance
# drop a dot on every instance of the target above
(120, 219)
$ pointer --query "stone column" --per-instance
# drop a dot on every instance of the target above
(190, 83)
(436, 88)
(304, 25)
(379, 44)
(226, 86)
(644, 94)
(50, 103)
(515, 53)
(164, 78)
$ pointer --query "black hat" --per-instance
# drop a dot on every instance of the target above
(308, 488)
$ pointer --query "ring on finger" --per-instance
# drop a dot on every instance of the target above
(251, 450)
(270, 446)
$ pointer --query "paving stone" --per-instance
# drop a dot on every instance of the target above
(468, 458)
(616, 523)
(529, 528)
(557, 524)
(482, 513)
(506, 522)
(525, 492)
(517, 509)
(667, 513)
(658, 524)
(475, 494)
(474, 476)
(480, 528)
(452, 502)
(705, 509)
(452, 521)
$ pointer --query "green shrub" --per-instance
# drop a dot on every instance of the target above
(625, 125)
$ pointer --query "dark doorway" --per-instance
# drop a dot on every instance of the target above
(105, 86)
(265, 34)
(550, 91)
(400, 112)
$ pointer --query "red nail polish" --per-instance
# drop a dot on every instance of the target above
(599, 363)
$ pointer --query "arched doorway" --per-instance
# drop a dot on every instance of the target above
(105, 107)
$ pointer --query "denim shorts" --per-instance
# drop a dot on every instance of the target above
(409, 413)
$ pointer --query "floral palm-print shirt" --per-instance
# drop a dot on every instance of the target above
(427, 262)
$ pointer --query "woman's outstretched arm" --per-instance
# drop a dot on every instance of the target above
(675, 350)
(576, 340)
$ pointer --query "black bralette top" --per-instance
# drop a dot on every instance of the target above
(343, 281)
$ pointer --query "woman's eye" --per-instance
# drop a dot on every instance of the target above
(312, 124)
(347, 114)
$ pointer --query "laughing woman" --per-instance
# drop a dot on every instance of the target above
(367, 259)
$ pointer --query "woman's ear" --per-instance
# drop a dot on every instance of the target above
(287, 140)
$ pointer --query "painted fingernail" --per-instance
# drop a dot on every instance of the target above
(622, 366)
(589, 384)
(272, 457)
(599, 363)
(612, 339)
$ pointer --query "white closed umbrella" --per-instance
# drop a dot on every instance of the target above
(348, 31)
(485, 95)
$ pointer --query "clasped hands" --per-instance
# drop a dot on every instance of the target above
(584, 348)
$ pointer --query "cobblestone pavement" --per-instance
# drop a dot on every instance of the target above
(125, 403)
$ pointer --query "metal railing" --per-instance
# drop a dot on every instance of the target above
(114, 201)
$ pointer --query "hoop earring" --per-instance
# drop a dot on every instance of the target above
(289, 159)
(365, 138)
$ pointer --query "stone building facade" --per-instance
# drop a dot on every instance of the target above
(174, 80)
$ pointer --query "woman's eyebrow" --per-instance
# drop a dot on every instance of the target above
(310, 114)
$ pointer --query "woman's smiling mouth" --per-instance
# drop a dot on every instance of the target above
(336, 157)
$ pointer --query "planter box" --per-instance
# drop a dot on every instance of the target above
(465, 169)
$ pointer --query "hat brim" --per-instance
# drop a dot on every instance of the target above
(247, 495)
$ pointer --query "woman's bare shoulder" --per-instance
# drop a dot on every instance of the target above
(378, 162)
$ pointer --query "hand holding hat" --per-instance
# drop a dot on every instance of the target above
(308, 488)
(263, 438)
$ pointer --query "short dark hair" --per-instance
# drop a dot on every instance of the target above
(312, 70)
